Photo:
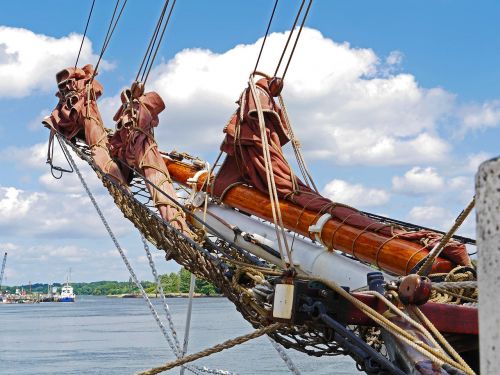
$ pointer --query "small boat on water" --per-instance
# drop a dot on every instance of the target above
(67, 294)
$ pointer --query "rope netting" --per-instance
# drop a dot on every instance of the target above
(233, 271)
(209, 257)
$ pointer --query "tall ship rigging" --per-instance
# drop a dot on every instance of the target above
(317, 276)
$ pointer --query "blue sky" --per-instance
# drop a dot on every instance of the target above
(396, 104)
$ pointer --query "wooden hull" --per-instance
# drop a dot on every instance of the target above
(393, 255)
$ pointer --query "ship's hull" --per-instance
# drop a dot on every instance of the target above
(66, 299)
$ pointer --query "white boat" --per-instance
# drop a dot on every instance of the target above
(67, 294)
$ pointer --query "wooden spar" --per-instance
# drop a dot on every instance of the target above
(393, 255)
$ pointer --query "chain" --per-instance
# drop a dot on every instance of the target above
(162, 294)
(163, 329)
(285, 357)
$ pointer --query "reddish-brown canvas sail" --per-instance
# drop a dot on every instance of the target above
(391, 254)
(77, 113)
(134, 143)
(244, 163)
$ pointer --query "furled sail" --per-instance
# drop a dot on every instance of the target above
(245, 164)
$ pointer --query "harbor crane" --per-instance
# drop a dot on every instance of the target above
(3, 269)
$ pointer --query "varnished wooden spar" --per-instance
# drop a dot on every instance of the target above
(394, 255)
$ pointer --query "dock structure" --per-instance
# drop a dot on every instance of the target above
(488, 242)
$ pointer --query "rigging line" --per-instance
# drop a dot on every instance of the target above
(168, 314)
(289, 36)
(110, 25)
(288, 361)
(434, 253)
(85, 32)
(265, 36)
(109, 34)
(159, 287)
(297, 39)
(192, 284)
(124, 258)
(152, 40)
(159, 41)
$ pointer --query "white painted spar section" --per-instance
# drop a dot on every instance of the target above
(309, 258)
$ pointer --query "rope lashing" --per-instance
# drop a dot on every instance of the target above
(214, 349)
(434, 253)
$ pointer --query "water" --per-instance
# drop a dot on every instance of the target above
(99, 335)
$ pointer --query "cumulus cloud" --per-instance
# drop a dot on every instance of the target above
(343, 104)
(480, 116)
(29, 61)
(474, 160)
(356, 195)
(441, 218)
(434, 216)
(418, 181)
(45, 214)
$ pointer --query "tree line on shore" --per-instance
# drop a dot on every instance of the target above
(172, 283)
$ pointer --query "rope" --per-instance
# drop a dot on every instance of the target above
(440, 337)
(296, 147)
(128, 265)
(159, 287)
(434, 253)
(273, 195)
(433, 354)
(159, 42)
(459, 285)
(85, 33)
(289, 37)
(297, 39)
(265, 37)
(189, 311)
(214, 349)
(152, 40)
(109, 33)
(50, 159)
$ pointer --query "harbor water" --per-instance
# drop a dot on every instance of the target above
(99, 335)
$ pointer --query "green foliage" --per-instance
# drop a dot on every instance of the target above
(172, 283)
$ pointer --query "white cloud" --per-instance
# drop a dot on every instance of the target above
(480, 116)
(355, 194)
(394, 58)
(63, 215)
(442, 218)
(418, 181)
(432, 216)
(343, 104)
(29, 61)
(474, 160)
